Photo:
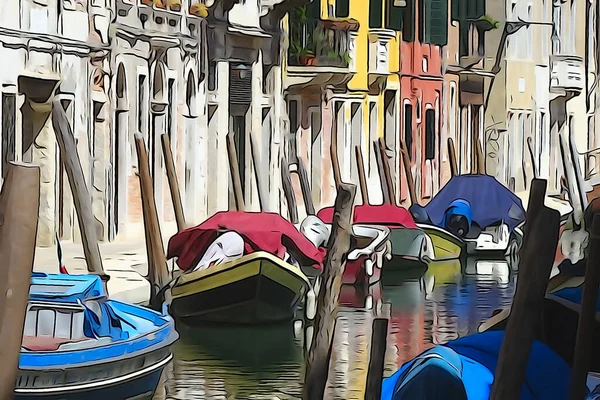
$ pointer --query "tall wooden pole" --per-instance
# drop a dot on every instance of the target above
(331, 281)
(257, 170)
(309, 205)
(362, 176)
(81, 197)
(157, 261)
(410, 180)
(19, 205)
(536, 171)
(537, 255)
(173, 184)
(381, 160)
(335, 160)
(288, 191)
(452, 157)
(587, 313)
(386, 171)
(235, 174)
(480, 157)
(376, 359)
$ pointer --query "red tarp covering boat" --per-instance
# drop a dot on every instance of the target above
(261, 231)
(385, 215)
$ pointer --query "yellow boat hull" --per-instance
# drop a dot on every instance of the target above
(446, 246)
(255, 288)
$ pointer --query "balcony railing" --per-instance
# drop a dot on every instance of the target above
(314, 42)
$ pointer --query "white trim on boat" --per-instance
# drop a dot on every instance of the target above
(95, 385)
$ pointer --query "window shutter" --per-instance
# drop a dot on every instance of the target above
(455, 13)
(342, 8)
(430, 134)
(394, 16)
(435, 20)
(408, 24)
(375, 14)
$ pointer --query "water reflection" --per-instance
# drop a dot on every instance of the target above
(427, 308)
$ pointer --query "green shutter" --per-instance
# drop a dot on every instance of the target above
(455, 14)
(435, 20)
(408, 24)
(475, 8)
(394, 16)
(375, 14)
(342, 8)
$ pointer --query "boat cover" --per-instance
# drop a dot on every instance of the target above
(491, 202)
(261, 231)
(464, 369)
(386, 214)
(65, 288)
(574, 295)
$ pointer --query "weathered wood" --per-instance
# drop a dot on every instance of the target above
(377, 359)
(410, 180)
(81, 196)
(452, 157)
(288, 191)
(537, 257)
(569, 172)
(480, 157)
(335, 161)
(19, 205)
(329, 293)
(537, 196)
(259, 182)
(532, 157)
(235, 174)
(386, 171)
(362, 176)
(309, 205)
(387, 196)
(585, 326)
(173, 184)
(158, 274)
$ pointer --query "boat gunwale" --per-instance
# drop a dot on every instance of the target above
(459, 241)
(97, 384)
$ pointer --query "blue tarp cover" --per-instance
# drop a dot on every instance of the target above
(64, 288)
(491, 202)
(472, 360)
(574, 294)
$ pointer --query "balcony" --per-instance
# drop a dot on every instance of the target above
(321, 51)
(566, 74)
(379, 43)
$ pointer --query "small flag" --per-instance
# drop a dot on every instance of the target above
(61, 265)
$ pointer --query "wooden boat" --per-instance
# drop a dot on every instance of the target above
(446, 246)
(77, 344)
(411, 247)
(256, 287)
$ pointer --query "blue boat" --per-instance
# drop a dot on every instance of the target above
(79, 344)
(463, 369)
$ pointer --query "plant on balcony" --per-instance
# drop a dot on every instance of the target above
(174, 5)
(146, 2)
(303, 55)
(486, 23)
(199, 10)
(341, 24)
(160, 4)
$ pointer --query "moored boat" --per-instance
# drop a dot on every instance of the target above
(446, 246)
(79, 344)
(241, 267)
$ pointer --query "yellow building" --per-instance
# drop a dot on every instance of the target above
(341, 87)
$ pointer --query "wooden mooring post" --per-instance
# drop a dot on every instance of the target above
(288, 191)
(587, 314)
(19, 205)
(173, 183)
(158, 274)
(235, 174)
(410, 180)
(362, 176)
(317, 365)
(376, 359)
(452, 158)
(537, 258)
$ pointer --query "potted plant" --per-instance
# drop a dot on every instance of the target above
(160, 4)
(302, 54)
(199, 10)
(174, 5)
(147, 2)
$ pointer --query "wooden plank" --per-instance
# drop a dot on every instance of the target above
(288, 191)
(386, 171)
(335, 161)
(377, 359)
(532, 157)
(537, 258)
(157, 261)
(387, 196)
(452, 157)
(410, 180)
(81, 196)
(235, 174)
(306, 189)
(19, 205)
(587, 313)
(173, 183)
(362, 176)
(317, 364)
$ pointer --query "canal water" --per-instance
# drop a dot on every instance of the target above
(426, 308)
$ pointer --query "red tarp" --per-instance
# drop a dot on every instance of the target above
(385, 214)
(268, 232)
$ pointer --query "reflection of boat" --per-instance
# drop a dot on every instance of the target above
(256, 285)
(464, 369)
(410, 245)
(444, 272)
(78, 344)
(360, 296)
(446, 246)
(497, 269)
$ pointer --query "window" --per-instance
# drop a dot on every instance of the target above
(9, 102)
(212, 75)
(453, 110)
(546, 32)
(573, 26)
(434, 22)
(376, 13)
(408, 21)
(529, 33)
(141, 103)
(408, 137)
(171, 107)
(512, 42)
(293, 116)
(342, 9)
(393, 16)
(557, 29)
(430, 134)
